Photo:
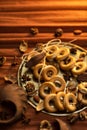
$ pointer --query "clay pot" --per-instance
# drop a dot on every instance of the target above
(60, 125)
(12, 103)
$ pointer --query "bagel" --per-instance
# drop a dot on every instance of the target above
(68, 63)
(51, 52)
(60, 101)
(70, 102)
(49, 103)
(82, 87)
(46, 88)
(37, 70)
(49, 72)
(79, 68)
(63, 53)
(82, 98)
(59, 83)
(82, 55)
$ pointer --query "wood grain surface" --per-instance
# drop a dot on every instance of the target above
(17, 18)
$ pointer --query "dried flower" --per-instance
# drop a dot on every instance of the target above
(58, 32)
(23, 46)
(34, 31)
(45, 125)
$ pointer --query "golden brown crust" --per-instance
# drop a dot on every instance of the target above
(49, 103)
(37, 70)
(79, 68)
(82, 98)
(60, 101)
(51, 52)
(46, 88)
(68, 63)
(82, 87)
(63, 53)
(59, 83)
(49, 72)
(70, 102)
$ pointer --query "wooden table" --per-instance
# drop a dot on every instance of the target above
(16, 19)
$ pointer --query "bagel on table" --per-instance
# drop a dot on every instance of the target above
(79, 68)
(82, 98)
(82, 87)
(68, 63)
(37, 69)
(46, 88)
(59, 83)
(49, 71)
(59, 101)
(70, 102)
(51, 52)
(62, 54)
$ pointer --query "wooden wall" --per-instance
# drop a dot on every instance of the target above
(18, 16)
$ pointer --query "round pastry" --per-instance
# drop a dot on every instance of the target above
(63, 53)
(82, 98)
(82, 87)
(68, 63)
(82, 55)
(46, 88)
(51, 52)
(49, 72)
(60, 100)
(70, 102)
(37, 69)
(49, 103)
(79, 68)
(57, 71)
(59, 83)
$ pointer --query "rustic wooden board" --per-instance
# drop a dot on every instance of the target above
(16, 19)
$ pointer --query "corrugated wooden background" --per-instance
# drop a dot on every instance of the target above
(16, 19)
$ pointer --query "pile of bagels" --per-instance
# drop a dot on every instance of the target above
(52, 87)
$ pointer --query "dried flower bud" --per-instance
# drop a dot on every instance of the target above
(73, 50)
(23, 46)
(45, 125)
(73, 118)
(58, 32)
(83, 115)
(34, 31)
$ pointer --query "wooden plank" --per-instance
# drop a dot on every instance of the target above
(16, 19)
(43, 18)
(42, 5)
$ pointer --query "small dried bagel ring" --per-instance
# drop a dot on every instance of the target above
(68, 63)
(46, 88)
(49, 103)
(37, 69)
(63, 53)
(82, 87)
(60, 101)
(70, 102)
(82, 98)
(59, 83)
(51, 52)
(79, 68)
(49, 72)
